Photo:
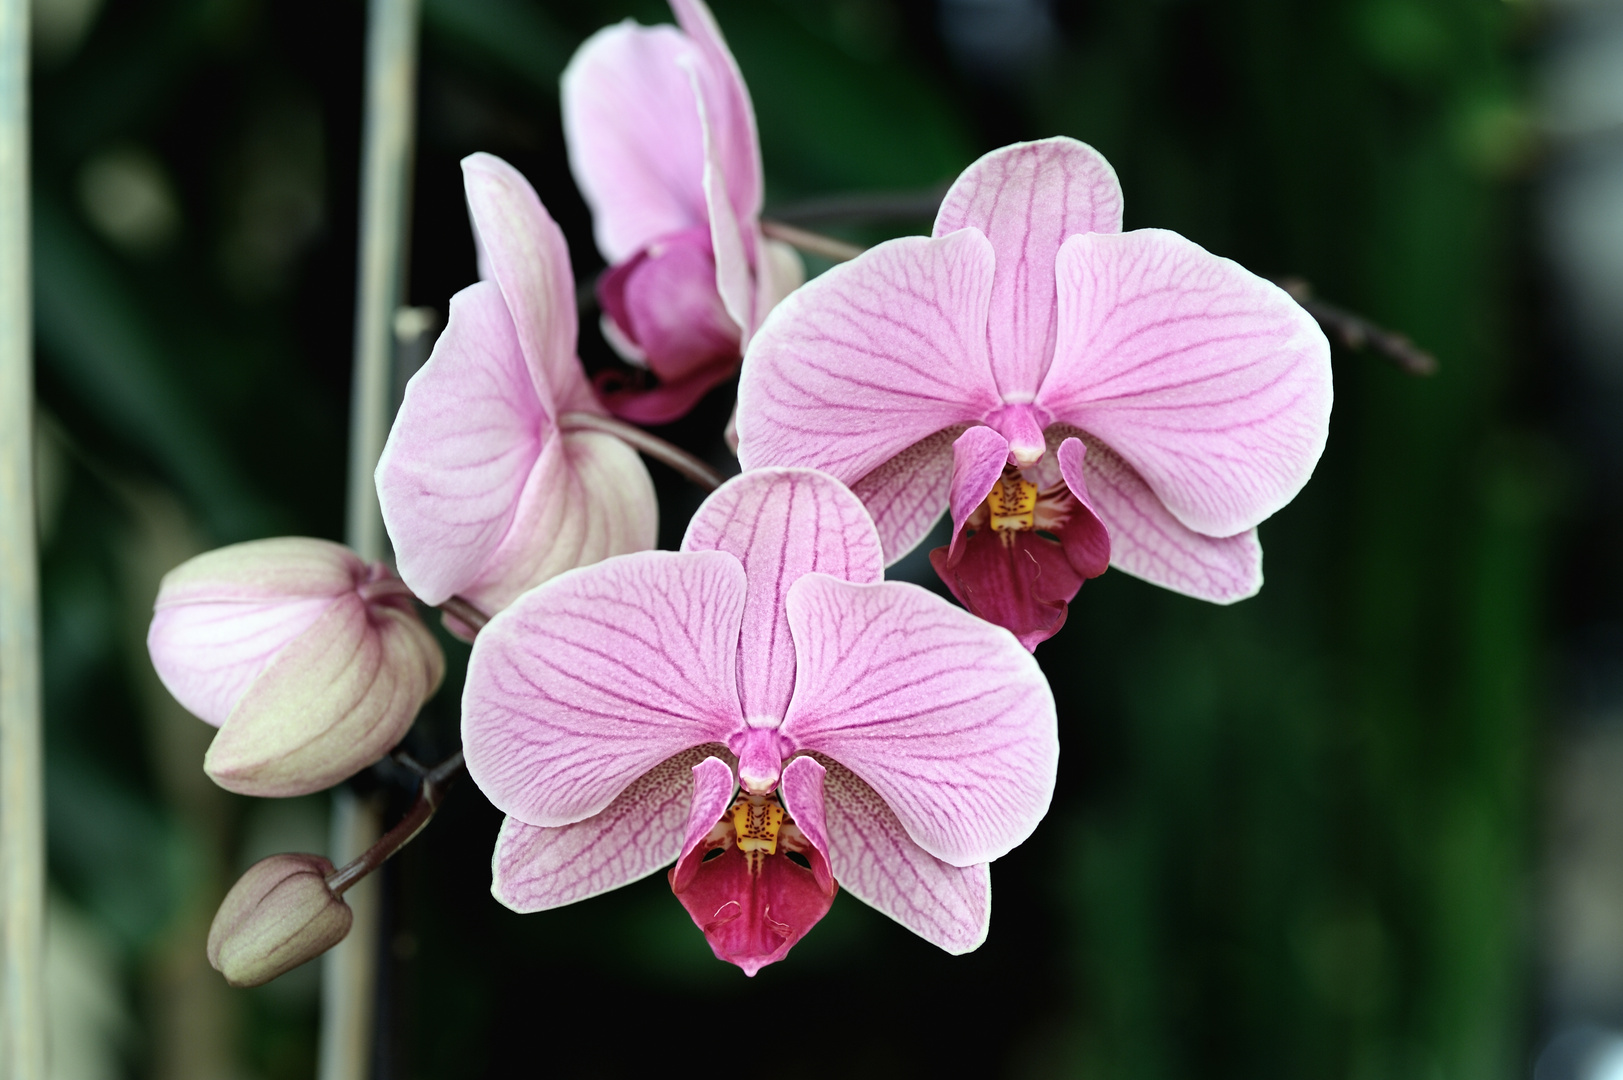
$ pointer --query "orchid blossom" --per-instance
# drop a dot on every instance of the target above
(485, 488)
(763, 709)
(1075, 395)
(662, 142)
(310, 662)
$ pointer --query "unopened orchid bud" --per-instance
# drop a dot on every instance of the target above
(310, 662)
(278, 916)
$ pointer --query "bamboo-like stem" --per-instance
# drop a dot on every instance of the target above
(651, 445)
(812, 243)
(350, 970)
(22, 807)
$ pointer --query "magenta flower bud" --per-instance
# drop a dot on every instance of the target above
(277, 916)
(311, 663)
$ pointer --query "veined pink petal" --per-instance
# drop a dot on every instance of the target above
(588, 497)
(906, 494)
(1027, 199)
(733, 282)
(633, 135)
(590, 680)
(462, 448)
(1212, 383)
(639, 833)
(727, 100)
(782, 523)
(946, 716)
(330, 703)
(222, 616)
(870, 358)
(527, 257)
(978, 457)
(1148, 542)
(874, 860)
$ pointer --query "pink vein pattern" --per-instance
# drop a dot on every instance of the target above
(781, 524)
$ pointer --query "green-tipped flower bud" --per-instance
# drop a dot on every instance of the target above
(280, 914)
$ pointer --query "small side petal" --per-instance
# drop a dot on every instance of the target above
(906, 495)
(1027, 199)
(633, 134)
(727, 100)
(946, 716)
(639, 833)
(870, 358)
(592, 679)
(1212, 383)
(733, 282)
(1086, 540)
(781, 524)
(527, 257)
(713, 788)
(1148, 542)
(462, 448)
(801, 789)
(978, 458)
(588, 497)
(874, 860)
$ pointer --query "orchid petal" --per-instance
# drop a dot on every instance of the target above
(593, 678)
(782, 523)
(946, 716)
(527, 257)
(874, 860)
(633, 134)
(779, 272)
(222, 616)
(1212, 383)
(1027, 198)
(588, 498)
(1086, 540)
(727, 100)
(1148, 542)
(726, 235)
(713, 788)
(801, 789)
(639, 833)
(330, 703)
(905, 494)
(462, 448)
(870, 358)
(978, 457)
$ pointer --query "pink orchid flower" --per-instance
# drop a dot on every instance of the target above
(877, 736)
(1076, 395)
(662, 142)
(484, 490)
(310, 662)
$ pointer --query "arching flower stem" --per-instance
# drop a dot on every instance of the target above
(435, 783)
(648, 445)
(811, 242)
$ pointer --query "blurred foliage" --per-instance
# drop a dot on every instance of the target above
(1291, 837)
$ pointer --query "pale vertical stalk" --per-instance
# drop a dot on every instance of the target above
(349, 972)
(22, 810)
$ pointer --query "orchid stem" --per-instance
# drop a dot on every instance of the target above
(812, 243)
(1358, 333)
(863, 207)
(465, 611)
(650, 445)
(23, 1028)
(434, 785)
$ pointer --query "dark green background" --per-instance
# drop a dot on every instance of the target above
(1292, 838)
